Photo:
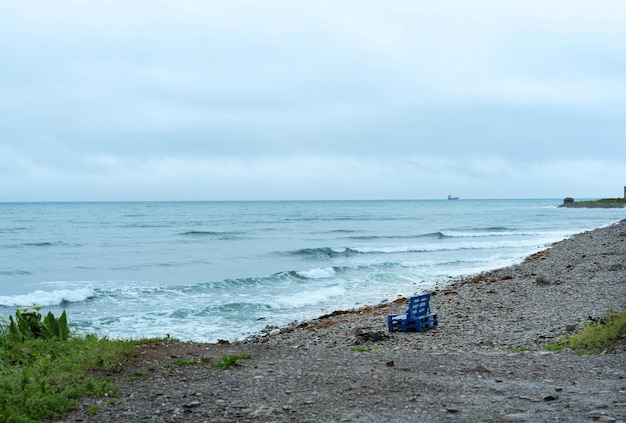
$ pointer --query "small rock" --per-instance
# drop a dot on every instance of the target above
(263, 411)
(274, 332)
(391, 363)
(516, 417)
(481, 369)
(570, 328)
(191, 404)
(596, 414)
(541, 280)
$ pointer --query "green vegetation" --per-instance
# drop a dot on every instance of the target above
(231, 360)
(602, 203)
(192, 361)
(596, 337)
(45, 370)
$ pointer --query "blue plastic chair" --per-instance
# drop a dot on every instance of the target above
(417, 318)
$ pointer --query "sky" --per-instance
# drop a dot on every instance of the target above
(111, 100)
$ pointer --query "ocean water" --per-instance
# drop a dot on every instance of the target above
(223, 270)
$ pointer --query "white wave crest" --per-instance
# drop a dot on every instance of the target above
(48, 298)
(307, 298)
(319, 273)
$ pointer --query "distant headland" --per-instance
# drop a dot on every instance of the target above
(607, 203)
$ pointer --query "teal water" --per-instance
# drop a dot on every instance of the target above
(223, 270)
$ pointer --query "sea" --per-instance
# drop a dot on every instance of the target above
(205, 271)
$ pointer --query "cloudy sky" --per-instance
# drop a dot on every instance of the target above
(277, 99)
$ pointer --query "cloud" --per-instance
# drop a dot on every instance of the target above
(317, 177)
(343, 99)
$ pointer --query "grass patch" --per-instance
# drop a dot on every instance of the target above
(231, 360)
(192, 361)
(45, 370)
(596, 337)
(138, 375)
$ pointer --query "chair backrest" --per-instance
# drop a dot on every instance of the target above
(419, 306)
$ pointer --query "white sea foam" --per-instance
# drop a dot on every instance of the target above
(48, 298)
(319, 273)
(467, 245)
(308, 298)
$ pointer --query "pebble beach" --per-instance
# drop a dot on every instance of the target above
(483, 363)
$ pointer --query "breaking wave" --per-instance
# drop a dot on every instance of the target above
(48, 298)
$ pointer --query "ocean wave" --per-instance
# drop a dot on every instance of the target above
(157, 265)
(324, 252)
(318, 273)
(39, 244)
(288, 277)
(48, 298)
(327, 252)
(226, 309)
(479, 234)
(433, 235)
(14, 272)
(213, 234)
(452, 247)
(46, 244)
(307, 298)
(12, 230)
(451, 233)
(291, 277)
(331, 253)
(146, 225)
(343, 231)
(238, 283)
(345, 218)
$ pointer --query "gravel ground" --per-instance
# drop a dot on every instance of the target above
(484, 363)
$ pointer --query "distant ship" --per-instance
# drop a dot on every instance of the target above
(452, 198)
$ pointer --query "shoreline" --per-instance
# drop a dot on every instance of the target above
(483, 363)
(542, 269)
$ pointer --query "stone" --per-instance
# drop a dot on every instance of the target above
(191, 404)
(263, 411)
(516, 417)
